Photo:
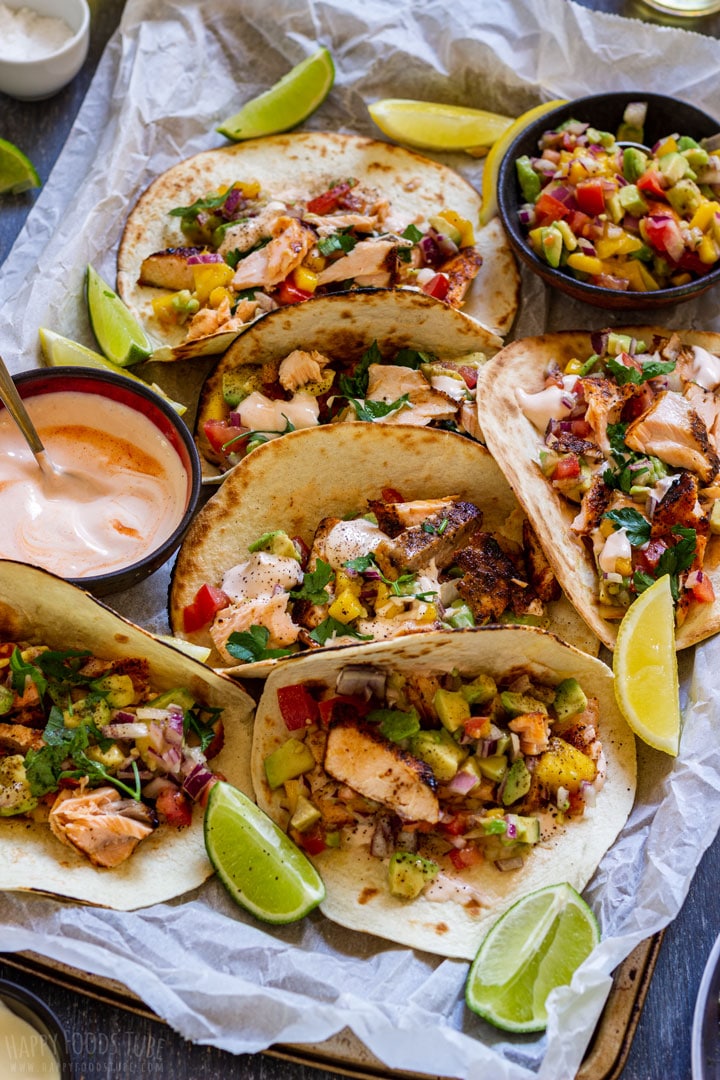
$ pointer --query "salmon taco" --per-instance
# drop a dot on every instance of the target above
(110, 741)
(610, 441)
(229, 234)
(390, 358)
(435, 780)
(351, 533)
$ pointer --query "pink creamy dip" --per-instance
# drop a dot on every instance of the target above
(137, 486)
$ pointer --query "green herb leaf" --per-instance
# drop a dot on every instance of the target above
(202, 720)
(616, 437)
(413, 358)
(636, 526)
(412, 233)
(190, 213)
(374, 410)
(314, 582)
(330, 627)
(650, 370)
(21, 670)
(251, 645)
(355, 385)
(339, 241)
(361, 564)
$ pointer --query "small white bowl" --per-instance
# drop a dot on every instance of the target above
(32, 79)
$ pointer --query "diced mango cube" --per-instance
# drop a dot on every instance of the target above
(707, 250)
(586, 264)
(704, 215)
(463, 226)
(305, 279)
(209, 276)
(563, 765)
(346, 607)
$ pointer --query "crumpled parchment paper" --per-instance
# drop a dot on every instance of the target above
(174, 70)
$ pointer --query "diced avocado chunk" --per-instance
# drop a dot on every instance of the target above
(685, 197)
(445, 228)
(618, 343)
(527, 829)
(439, 750)
(551, 243)
(276, 542)
(6, 699)
(16, 796)
(517, 704)
(306, 815)
(88, 710)
(528, 179)
(674, 166)
(570, 699)
(239, 384)
(632, 201)
(452, 708)
(481, 690)
(493, 767)
(291, 759)
(119, 690)
(179, 696)
(634, 163)
(459, 615)
(408, 874)
(517, 782)
(396, 724)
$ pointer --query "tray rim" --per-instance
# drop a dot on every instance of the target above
(344, 1054)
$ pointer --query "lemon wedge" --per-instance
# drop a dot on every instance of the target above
(428, 125)
(497, 153)
(645, 666)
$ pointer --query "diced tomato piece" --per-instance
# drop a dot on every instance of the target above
(312, 841)
(6, 649)
(470, 375)
(462, 858)
(663, 233)
(213, 748)
(703, 590)
(342, 704)
(204, 794)
(581, 428)
(651, 184)
(457, 824)
(690, 261)
(578, 222)
(477, 727)
(647, 558)
(391, 495)
(328, 201)
(437, 286)
(548, 208)
(208, 601)
(298, 707)
(219, 432)
(567, 468)
(591, 197)
(174, 807)
(290, 294)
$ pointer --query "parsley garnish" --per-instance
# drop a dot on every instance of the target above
(202, 719)
(251, 645)
(374, 410)
(21, 670)
(413, 358)
(330, 627)
(625, 374)
(339, 241)
(636, 526)
(314, 582)
(412, 233)
(355, 385)
(190, 213)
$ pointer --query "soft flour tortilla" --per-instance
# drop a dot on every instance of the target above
(515, 443)
(38, 607)
(299, 165)
(342, 327)
(356, 883)
(294, 482)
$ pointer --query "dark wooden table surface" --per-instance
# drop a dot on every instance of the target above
(110, 1042)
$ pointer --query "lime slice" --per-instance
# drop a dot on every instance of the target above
(287, 103)
(118, 333)
(198, 652)
(17, 172)
(257, 863)
(498, 151)
(535, 946)
(428, 125)
(59, 351)
(645, 666)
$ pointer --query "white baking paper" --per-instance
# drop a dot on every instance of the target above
(169, 75)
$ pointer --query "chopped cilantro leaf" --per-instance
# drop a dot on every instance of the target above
(314, 582)
(21, 670)
(412, 233)
(330, 627)
(374, 410)
(355, 385)
(339, 241)
(627, 374)
(251, 645)
(413, 358)
(636, 526)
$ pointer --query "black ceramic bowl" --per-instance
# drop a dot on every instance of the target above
(665, 116)
(36, 1013)
(136, 395)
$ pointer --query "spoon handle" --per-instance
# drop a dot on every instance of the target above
(14, 404)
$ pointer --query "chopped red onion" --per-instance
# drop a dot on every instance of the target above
(587, 793)
(511, 831)
(526, 214)
(446, 246)
(146, 712)
(197, 781)
(381, 845)
(204, 257)
(463, 781)
(125, 731)
(430, 251)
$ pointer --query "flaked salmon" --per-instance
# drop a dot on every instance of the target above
(301, 367)
(101, 824)
(672, 430)
(291, 241)
(388, 383)
(368, 261)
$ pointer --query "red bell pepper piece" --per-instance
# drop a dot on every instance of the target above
(457, 824)
(548, 208)
(437, 286)
(298, 707)
(331, 708)
(208, 600)
(590, 197)
(567, 468)
(650, 183)
(648, 557)
(328, 201)
(578, 222)
(290, 294)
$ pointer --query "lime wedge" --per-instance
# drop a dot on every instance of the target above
(428, 125)
(17, 172)
(535, 946)
(257, 863)
(488, 209)
(287, 103)
(645, 667)
(118, 333)
(59, 351)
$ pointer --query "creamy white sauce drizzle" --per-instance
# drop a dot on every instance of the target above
(260, 413)
(260, 574)
(23, 1050)
(139, 482)
(548, 404)
(617, 546)
(350, 539)
(705, 369)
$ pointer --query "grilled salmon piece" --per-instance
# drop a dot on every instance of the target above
(678, 506)
(268, 611)
(461, 269)
(369, 261)
(169, 269)
(290, 243)
(394, 517)
(672, 431)
(492, 583)
(301, 367)
(359, 756)
(595, 502)
(101, 824)
(605, 402)
(438, 538)
(18, 739)
(388, 382)
(540, 572)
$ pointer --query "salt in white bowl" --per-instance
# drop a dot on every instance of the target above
(35, 78)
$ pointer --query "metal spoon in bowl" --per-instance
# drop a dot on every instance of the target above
(58, 480)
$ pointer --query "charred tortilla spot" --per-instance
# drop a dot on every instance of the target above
(367, 895)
